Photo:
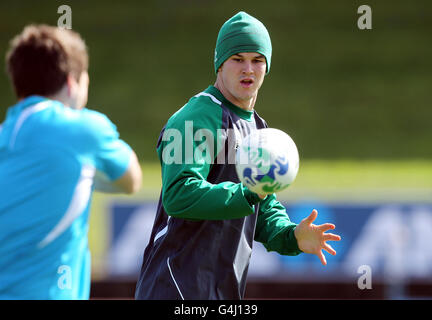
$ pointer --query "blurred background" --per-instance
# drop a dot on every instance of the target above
(356, 102)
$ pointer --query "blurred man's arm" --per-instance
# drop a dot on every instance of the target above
(129, 182)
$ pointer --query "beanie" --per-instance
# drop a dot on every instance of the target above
(242, 33)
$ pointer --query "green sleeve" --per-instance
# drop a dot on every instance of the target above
(274, 228)
(186, 193)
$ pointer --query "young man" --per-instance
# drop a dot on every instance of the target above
(52, 151)
(206, 220)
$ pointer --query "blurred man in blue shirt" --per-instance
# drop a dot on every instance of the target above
(53, 154)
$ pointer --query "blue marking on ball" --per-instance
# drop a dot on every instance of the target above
(281, 165)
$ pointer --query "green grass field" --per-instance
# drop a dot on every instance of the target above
(318, 180)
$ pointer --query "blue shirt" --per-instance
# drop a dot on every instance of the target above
(49, 155)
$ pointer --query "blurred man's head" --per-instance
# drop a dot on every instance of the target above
(51, 62)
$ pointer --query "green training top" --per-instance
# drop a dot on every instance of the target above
(206, 220)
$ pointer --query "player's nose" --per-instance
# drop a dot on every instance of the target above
(247, 67)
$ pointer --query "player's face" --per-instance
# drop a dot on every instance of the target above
(241, 76)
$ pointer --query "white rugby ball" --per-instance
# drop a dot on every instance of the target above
(267, 161)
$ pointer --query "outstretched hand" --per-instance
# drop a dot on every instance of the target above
(312, 239)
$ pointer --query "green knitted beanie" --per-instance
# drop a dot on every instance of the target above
(242, 33)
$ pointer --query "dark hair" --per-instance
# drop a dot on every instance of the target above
(41, 57)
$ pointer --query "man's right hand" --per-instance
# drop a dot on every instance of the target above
(262, 196)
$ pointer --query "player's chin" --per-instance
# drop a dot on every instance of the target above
(246, 92)
(248, 95)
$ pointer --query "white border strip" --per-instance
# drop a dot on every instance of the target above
(76, 207)
(210, 96)
(172, 276)
(162, 232)
(23, 116)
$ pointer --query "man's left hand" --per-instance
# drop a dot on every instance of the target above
(312, 239)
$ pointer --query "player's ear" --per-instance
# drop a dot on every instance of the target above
(71, 84)
(220, 67)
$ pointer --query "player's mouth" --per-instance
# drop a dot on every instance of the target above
(247, 82)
